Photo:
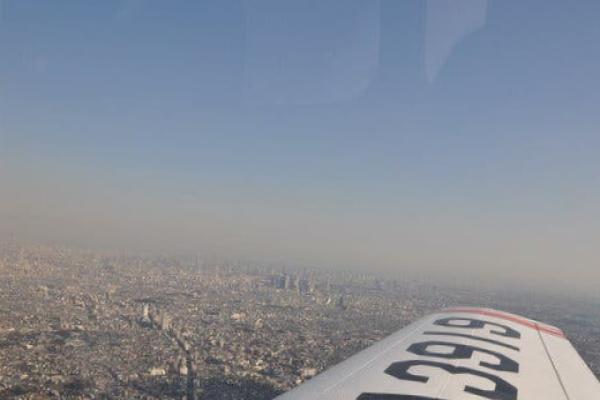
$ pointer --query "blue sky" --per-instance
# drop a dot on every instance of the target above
(465, 130)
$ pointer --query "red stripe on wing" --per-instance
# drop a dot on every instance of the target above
(509, 317)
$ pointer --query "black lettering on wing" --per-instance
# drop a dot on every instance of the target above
(455, 322)
(502, 390)
(464, 352)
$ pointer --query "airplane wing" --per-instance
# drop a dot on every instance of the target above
(460, 354)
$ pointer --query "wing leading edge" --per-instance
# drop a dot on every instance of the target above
(460, 353)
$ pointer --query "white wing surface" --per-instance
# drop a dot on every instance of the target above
(460, 354)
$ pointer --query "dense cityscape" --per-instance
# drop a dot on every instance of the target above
(81, 325)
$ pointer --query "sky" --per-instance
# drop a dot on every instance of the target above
(457, 138)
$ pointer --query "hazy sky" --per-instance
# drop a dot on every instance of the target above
(400, 135)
